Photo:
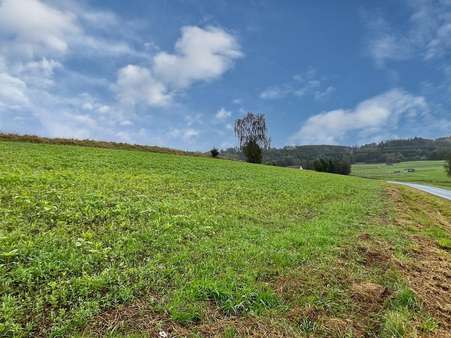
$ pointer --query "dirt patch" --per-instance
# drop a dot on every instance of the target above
(369, 251)
(338, 327)
(419, 209)
(372, 254)
(428, 268)
(139, 317)
(363, 300)
(429, 275)
(370, 293)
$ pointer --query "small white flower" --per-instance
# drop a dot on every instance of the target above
(162, 334)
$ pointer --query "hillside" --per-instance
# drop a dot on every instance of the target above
(102, 242)
(91, 143)
(414, 149)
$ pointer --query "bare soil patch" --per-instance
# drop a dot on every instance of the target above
(428, 268)
(139, 317)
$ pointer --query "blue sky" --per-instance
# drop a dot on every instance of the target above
(178, 73)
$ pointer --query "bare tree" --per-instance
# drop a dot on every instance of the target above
(252, 136)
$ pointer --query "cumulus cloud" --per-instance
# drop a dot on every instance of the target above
(223, 114)
(136, 84)
(371, 117)
(35, 27)
(40, 92)
(201, 54)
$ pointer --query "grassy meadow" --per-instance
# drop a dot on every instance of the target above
(427, 172)
(100, 242)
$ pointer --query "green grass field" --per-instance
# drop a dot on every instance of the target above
(188, 245)
(427, 172)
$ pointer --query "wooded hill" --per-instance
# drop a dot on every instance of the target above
(413, 149)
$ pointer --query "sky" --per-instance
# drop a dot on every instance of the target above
(178, 73)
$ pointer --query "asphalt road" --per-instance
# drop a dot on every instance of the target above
(444, 193)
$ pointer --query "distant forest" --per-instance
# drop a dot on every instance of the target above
(392, 151)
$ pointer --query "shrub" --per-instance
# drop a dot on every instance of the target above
(448, 165)
(214, 152)
(332, 166)
(253, 152)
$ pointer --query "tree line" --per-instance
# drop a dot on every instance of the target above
(392, 151)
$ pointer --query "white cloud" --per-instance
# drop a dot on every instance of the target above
(376, 115)
(126, 123)
(428, 34)
(87, 106)
(186, 134)
(12, 91)
(273, 93)
(67, 124)
(200, 55)
(103, 109)
(319, 94)
(42, 67)
(42, 93)
(193, 119)
(388, 47)
(237, 101)
(306, 84)
(223, 114)
(36, 28)
(38, 73)
(137, 85)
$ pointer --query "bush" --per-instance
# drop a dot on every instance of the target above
(332, 166)
(253, 152)
(214, 152)
(448, 166)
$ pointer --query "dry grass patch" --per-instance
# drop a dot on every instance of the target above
(428, 265)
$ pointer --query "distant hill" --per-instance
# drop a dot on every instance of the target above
(413, 149)
(93, 143)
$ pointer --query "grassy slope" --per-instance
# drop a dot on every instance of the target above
(197, 242)
(427, 172)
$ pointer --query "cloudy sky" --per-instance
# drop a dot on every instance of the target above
(178, 72)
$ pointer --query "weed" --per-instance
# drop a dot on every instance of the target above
(396, 324)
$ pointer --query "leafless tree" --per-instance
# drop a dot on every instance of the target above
(252, 136)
